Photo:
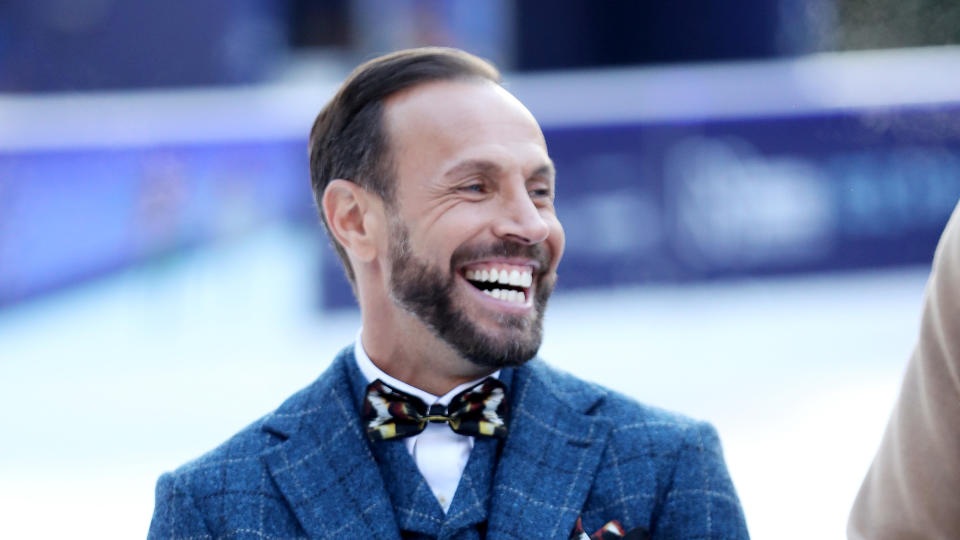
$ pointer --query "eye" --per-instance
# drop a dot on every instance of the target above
(540, 190)
(474, 187)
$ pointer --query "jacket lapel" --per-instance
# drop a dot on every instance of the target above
(324, 468)
(550, 457)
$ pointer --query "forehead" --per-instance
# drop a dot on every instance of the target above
(437, 124)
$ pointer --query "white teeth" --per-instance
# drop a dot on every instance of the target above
(517, 278)
(507, 295)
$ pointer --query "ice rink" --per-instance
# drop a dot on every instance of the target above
(105, 386)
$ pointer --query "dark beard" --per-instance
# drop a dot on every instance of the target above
(427, 292)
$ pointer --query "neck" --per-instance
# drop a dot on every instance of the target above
(403, 347)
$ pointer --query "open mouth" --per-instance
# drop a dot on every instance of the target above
(502, 282)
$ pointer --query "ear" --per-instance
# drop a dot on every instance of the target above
(349, 210)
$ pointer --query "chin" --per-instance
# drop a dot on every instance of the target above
(507, 347)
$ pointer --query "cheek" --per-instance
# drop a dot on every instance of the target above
(556, 238)
(458, 226)
(444, 236)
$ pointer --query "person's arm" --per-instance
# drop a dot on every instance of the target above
(175, 515)
(701, 502)
(912, 489)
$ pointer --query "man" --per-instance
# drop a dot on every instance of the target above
(913, 487)
(436, 188)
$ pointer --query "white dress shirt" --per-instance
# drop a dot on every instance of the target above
(439, 452)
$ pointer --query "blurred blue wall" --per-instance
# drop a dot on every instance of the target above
(663, 175)
(50, 45)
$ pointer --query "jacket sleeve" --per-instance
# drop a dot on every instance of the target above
(911, 489)
(175, 515)
(701, 501)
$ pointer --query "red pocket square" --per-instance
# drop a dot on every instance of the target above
(613, 530)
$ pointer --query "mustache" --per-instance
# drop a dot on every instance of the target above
(503, 248)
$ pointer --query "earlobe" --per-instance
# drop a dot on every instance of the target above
(346, 205)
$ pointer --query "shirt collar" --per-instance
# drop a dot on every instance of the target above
(371, 372)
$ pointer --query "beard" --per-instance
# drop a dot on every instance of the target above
(427, 292)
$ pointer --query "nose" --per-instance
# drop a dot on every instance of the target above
(520, 220)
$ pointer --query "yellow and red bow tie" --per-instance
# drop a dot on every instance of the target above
(479, 411)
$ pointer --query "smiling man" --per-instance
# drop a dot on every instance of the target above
(437, 190)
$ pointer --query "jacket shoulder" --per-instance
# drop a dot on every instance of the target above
(659, 469)
(227, 488)
(639, 432)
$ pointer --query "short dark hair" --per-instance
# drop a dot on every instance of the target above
(348, 139)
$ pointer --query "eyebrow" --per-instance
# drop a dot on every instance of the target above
(491, 168)
(547, 170)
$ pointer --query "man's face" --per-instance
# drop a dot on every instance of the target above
(474, 239)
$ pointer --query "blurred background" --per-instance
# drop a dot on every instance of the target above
(752, 192)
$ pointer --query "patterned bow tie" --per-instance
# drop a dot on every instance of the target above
(480, 410)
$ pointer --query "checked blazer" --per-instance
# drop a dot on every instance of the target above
(574, 450)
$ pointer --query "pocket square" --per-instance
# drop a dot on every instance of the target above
(613, 530)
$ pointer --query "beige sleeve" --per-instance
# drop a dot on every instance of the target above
(912, 489)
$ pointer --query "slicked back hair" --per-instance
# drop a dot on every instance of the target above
(348, 140)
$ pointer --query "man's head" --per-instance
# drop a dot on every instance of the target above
(348, 139)
(453, 226)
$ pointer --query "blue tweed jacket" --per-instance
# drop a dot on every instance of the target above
(574, 450)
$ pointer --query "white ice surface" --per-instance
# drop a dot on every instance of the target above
(104, 387)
